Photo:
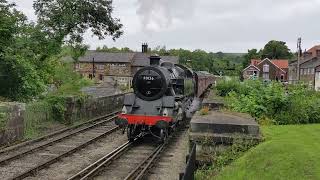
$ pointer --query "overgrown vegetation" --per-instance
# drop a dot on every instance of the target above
(221, 158)
(3, 118)
(272, 102)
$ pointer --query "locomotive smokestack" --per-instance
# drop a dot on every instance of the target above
(144, 47)
(155, 60)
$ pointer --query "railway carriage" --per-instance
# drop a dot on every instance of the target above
(163, 94)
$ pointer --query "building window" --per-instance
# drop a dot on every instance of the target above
(311, 71)
(100, 67)
(266, 68)
(90, 76)
(301, 71)
(266, 76)
(255, 73)
(100, 77)
(282, 77)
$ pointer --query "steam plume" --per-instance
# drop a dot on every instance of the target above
(160, 14)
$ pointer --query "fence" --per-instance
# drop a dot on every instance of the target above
(191, 165)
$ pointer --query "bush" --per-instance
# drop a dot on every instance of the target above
(272, 102)
(227, 86)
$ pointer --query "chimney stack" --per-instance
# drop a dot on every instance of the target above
(144, 48)
(155, 60)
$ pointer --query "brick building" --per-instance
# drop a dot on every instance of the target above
(118, 67)
(267, 69)
(310, 60)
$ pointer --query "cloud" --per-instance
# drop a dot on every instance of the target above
(213, 25)
(158, 15)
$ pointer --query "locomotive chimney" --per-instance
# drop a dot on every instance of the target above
(144, 47)
(155, 60)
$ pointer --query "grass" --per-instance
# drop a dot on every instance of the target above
(39, 120)
(288, 152)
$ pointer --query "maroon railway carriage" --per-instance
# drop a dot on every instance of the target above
(204, 80)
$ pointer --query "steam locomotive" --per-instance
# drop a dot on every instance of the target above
(165, 94)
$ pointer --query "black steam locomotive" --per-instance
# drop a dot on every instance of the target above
(164, 95)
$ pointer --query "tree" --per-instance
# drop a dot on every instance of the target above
(276, 50)
(29, 51)
(252, 54)
(73, 18)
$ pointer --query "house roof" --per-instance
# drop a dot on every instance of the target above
(314, 49)
(142, 59)
(251, 65)
(106, 57)
(280, 63)
(137, 59)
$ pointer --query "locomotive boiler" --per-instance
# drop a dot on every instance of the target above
(163, 97)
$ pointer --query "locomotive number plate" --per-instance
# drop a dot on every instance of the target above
(148, 78)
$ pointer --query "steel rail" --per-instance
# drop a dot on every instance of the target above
(48, 163)
(96, 166)
(141, 169)
(16, 156)
(11, 148)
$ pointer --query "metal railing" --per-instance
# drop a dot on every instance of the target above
(190, 169)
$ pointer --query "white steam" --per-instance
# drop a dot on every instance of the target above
(157, 15)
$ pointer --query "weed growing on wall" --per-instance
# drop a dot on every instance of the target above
(224, 156)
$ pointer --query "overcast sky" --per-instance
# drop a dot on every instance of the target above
(212, 25)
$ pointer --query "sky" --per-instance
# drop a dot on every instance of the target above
(211, 25)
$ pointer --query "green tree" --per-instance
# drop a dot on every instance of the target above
(73, 18)
(276, 50)
(28, 51)
(252, 54)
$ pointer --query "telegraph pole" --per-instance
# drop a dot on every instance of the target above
(299, 57)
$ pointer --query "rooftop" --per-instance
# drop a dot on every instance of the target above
(281, 63)
(137, 58)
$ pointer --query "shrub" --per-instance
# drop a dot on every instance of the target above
(273, 103)
(226, 86)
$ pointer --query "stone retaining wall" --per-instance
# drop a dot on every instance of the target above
(11, 122)
(13, 115)
(91, 108)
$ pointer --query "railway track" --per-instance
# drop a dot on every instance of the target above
(130, 161)
(26, 159)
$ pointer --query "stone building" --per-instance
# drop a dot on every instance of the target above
(116, 67)
(309, 61)
(267, 69)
